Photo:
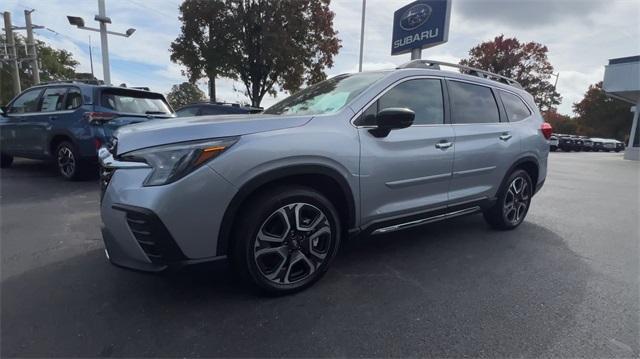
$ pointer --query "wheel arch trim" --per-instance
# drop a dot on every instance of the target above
(274, 175)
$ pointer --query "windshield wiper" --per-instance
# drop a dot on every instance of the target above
(156, 113)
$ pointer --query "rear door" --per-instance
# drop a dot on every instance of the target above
(408, 171)
(486, 144)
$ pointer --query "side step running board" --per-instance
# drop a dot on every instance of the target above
(418, 222)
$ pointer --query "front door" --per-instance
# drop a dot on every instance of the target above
(408, 171)
(14, 125)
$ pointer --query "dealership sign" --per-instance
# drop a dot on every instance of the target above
(421, 24)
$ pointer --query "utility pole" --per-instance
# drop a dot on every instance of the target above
(13, 56)
(364, 7)
(31, 45)
(103, 19)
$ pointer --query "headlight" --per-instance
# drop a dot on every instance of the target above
(172, 162)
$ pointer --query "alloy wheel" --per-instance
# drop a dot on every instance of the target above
(517, 200)
(66, 161)
(292, 243)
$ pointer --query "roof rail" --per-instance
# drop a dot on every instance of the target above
(70, 81)
(435, 65)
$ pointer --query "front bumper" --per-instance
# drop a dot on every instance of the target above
(152, 228)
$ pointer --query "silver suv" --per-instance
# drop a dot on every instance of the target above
(365, 153)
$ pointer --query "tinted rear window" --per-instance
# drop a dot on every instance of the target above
(134, 102)
(472, 103)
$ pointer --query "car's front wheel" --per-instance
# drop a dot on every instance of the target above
(513, 202)
(286, 239)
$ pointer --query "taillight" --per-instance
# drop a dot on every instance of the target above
(99, 117)
(546, 130)
(98, 143)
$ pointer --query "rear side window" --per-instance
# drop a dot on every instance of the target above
(472, 103)
(53, 99)
(74, 99)
(27, 102)
(515, 108)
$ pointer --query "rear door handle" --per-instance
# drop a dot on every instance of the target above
(505, 136)
(443, 145)
(53, 118)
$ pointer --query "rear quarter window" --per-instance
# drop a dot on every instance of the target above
(516, 109)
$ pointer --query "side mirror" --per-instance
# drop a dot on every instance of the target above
(4, 110)
(392, 119)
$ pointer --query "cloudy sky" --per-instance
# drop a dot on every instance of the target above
(581, 36)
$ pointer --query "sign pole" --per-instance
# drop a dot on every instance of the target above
(416, 54)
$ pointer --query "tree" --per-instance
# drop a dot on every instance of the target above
(561, 123)
(283, 43)
(264, 43)
(527, 63)
(602, 116)
(184, 94)
(204, 44)
(54, 65)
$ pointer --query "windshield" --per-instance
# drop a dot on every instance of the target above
(325, 97)
(135, 102)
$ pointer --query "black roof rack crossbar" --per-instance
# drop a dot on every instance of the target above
(70, 81)
(435, 65)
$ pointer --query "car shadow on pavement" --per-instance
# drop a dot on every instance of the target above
(450, 289)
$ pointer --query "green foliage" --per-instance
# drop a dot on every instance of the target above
(184, 94)
(527, 63)
(54, 65)
(599, 115)
(263, 43)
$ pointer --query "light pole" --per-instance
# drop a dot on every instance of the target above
(364, 8)
(103, 19)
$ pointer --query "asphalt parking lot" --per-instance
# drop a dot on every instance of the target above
(565, 284)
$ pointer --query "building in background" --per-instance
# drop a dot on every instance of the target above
(622, 81)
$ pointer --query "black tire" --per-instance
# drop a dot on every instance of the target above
(5, 160)
(500, 216)
(281, 268)
(618, 150)
(70, 165)
(553, 148)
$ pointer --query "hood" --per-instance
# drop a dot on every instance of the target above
(181, 129)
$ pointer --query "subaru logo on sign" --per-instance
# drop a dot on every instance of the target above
(420, 24)
(415, 16)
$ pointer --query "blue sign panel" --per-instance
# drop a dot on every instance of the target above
(421, 24)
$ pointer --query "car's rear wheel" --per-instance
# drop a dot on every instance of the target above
(286, 239)
(70, 165)
(5, 160)
(513, 202)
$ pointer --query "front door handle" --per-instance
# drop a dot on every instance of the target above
(505, 136)
(443, 145)
(53, 118)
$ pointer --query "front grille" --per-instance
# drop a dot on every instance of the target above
(151, 234)
(105, 177)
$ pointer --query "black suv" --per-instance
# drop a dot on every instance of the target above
(68, 121)
(215, 108)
